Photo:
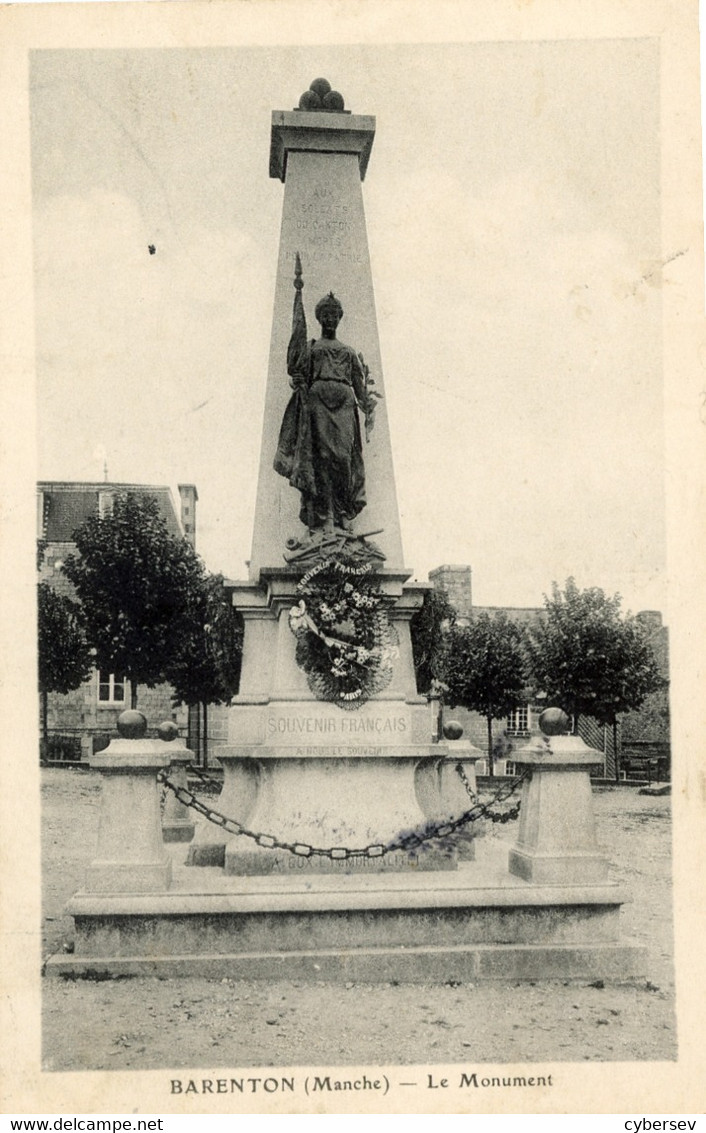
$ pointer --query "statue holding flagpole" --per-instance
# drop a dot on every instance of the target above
(320, 449)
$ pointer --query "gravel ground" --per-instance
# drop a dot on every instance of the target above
(146, 1023)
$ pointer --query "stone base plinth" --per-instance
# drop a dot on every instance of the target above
(559, 869)
(379, 965)
(423, 927)
(206, 853)
(128, 877)
(178, 831)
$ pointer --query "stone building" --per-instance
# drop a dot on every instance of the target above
(82, 721)
(645, 734)
(642, 735)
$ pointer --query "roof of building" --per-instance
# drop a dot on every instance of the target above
(68, 504)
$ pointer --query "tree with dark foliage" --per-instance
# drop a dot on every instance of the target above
(485, 669)
(631, 675)
(205, 669)
(138, 586)
(589, 659)
(429, 627)
(63, 653)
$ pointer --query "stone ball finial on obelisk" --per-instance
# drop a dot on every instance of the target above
(319, 96)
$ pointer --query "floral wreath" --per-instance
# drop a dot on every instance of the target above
(345, 643)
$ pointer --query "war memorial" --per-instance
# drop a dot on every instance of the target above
(342, 843)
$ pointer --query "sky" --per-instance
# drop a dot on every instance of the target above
(513, 212)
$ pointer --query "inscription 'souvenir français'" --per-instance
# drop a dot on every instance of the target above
(328, 726)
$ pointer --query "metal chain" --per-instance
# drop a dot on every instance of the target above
(410, 841)
(461, 771)
(192, 768)
(494, 815)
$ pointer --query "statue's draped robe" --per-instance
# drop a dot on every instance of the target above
(320, 448)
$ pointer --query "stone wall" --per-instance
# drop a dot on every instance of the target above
(54, 555)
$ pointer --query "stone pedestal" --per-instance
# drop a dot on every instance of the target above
(177, 824)
(310, 772)
(556, 843)
(340, 803)
(130, 856)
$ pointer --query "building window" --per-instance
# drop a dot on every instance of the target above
(518, 722)
(111, 689)
(105, 504)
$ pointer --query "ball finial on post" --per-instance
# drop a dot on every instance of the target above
(554, 722)
(452, 730)
(132, 724)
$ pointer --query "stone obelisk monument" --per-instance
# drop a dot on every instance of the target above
(328, 740)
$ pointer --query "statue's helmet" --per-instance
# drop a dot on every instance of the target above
(329, 303)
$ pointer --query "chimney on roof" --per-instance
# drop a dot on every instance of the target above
(188, 496)
(652, 618)
(455, 581)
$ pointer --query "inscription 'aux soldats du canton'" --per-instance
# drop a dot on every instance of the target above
(325, 221)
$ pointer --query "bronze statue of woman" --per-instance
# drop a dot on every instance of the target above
(320, 449)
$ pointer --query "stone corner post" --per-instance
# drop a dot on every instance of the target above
(130, 857)
(176, 819)
(556, 842)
